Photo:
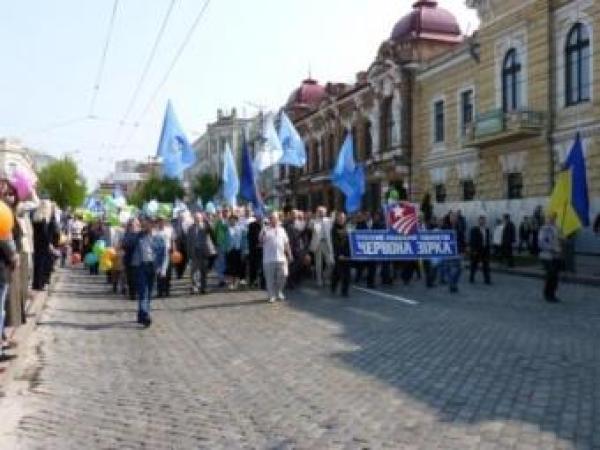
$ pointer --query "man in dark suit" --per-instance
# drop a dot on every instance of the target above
(509, 237)
(481, 243)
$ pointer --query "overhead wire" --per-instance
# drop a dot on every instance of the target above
(165, 78)
(98, 80)
(147, 66)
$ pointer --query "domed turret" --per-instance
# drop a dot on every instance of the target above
(427, 21)
(308, 95)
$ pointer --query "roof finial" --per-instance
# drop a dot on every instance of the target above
(309, 71)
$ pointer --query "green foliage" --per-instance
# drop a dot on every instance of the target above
(62, 183)
(164, 190)
(205, 187)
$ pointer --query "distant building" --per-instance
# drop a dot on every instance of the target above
(228, 129)
(14, 154)
(128, 175)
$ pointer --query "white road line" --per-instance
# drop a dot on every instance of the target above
(389, 296)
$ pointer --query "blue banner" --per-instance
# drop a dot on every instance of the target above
(384, 245)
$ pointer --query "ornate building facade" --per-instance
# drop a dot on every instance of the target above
(482, 123)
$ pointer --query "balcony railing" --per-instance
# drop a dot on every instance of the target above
(496, 126)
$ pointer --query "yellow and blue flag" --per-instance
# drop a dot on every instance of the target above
(570, 199)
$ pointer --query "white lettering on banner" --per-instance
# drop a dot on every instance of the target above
(385, 248)
(435, 248)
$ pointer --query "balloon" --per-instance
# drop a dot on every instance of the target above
(90, 259)
(124, 217)
(7, 221)
(120, 202)
(110, 253)
(113, 220)
(99, 247)
(106, 265)
(23, 181)
(210, 208)
(176, 257)
(75, 258)
(165, 210)
(152, 207)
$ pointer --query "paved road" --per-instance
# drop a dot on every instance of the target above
(493, 368)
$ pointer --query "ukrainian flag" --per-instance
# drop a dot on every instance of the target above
(570, 199)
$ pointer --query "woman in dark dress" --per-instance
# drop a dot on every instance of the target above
(41, 245)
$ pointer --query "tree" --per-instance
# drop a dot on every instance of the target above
(62, 182)
(205, 187)
(164, 190)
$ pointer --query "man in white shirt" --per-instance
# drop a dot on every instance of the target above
(320, 243)
(276, 257)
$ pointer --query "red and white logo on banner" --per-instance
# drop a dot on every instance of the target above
(402, 218)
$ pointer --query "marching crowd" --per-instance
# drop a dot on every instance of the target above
(280, 251)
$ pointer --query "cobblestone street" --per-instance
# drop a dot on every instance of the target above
(492, 368)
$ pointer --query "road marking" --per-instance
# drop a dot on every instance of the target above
(406, 301)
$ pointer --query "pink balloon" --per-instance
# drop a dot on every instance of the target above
(23, 182)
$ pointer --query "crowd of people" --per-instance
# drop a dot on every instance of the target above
(28, 254)
(282, 250)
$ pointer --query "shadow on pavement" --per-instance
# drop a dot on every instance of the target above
(470, 367)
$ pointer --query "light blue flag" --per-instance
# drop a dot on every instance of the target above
(175, 150)
(231, 182)
(348, 176)
(272, 150)
(294, 150)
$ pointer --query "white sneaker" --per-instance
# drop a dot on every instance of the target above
(281, 297)
(272, 300)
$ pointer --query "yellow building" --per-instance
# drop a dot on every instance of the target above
(495, 118)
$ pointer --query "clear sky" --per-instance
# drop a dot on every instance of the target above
(243, 51)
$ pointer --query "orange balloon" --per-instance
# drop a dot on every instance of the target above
(75, 258)
(111, 253)
(176, 257)
(6, 221)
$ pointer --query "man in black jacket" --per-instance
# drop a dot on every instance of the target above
(341, 254)
(480, 242)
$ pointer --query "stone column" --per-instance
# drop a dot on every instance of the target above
(374, 118)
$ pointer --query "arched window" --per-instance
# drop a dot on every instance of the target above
(577, 57)
(511, 79)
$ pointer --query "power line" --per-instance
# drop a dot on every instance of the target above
(163, 81)
(148, 64)
(103, 58)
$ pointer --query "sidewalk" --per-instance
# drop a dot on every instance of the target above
(21, 334)
(588, 271)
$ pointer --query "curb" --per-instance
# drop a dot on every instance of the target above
(564, 277)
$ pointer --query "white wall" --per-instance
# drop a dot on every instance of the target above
(586, 241)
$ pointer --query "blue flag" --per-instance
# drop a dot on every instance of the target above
(348, 176)
(580, 201)
(248, 188)
(231, 182)
(294, 150)
(175, 150)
